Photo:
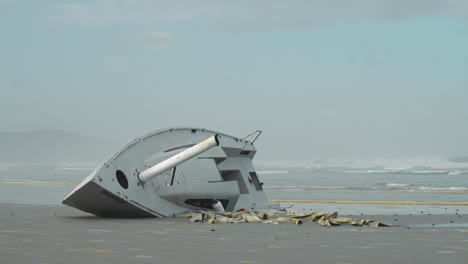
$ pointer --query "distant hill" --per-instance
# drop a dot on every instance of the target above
(52, 147)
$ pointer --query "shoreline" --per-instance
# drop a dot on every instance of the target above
(416, 218)
(59, 234)
(368, 202)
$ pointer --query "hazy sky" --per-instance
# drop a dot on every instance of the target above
(323, 78)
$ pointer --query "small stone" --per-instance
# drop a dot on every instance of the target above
(212, 230)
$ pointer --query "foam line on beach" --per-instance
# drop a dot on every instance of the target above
(367, 202)
(40, 183)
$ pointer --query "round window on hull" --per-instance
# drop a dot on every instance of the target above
(122, 179)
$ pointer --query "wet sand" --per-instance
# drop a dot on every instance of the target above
(58, 234)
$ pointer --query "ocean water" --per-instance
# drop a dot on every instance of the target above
(370, 185)
(431, 182)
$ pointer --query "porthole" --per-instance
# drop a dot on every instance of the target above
(122, 179)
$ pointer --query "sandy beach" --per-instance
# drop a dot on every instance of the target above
(58, 234)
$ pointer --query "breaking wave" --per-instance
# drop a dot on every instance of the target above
(272, 172)
(389, 187)
(394, 171)
(74, 168)
(39, 183)
(397, 184)
(456, 172)
(410, 165)
(443, 189)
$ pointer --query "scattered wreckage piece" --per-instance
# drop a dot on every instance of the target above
(171, 171)
(279, 217)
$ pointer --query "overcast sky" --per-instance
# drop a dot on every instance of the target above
(322, 79)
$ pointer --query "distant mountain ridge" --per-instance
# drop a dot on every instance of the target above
(53, 147)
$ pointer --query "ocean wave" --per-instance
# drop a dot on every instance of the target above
(74, 168)
(293, 187)
(393, 171)
(409, 164)
(272, 172)
(7, 165)
(79, 164)
(457, 172)
(316, 188)
(397, 184)
(429, 171)
(388, 187)
(41, 183)
(443, 189)
(418, 164)
(366, 171)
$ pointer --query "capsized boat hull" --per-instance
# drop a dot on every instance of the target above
(224, 173)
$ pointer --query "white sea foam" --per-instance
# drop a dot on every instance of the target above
(443, 189)
(9, 165)
(79, 164)
(456, 172)
(429, 171)
(296, 188)
(74, 168)
(31, 182)
(283, 187)
(397, 184)
(311, 188)
(396, 171)
(367, 171)
(388, 187)
(418, 164)
(408, 164)
(272, 172)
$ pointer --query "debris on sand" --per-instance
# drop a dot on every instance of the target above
(277, 217)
